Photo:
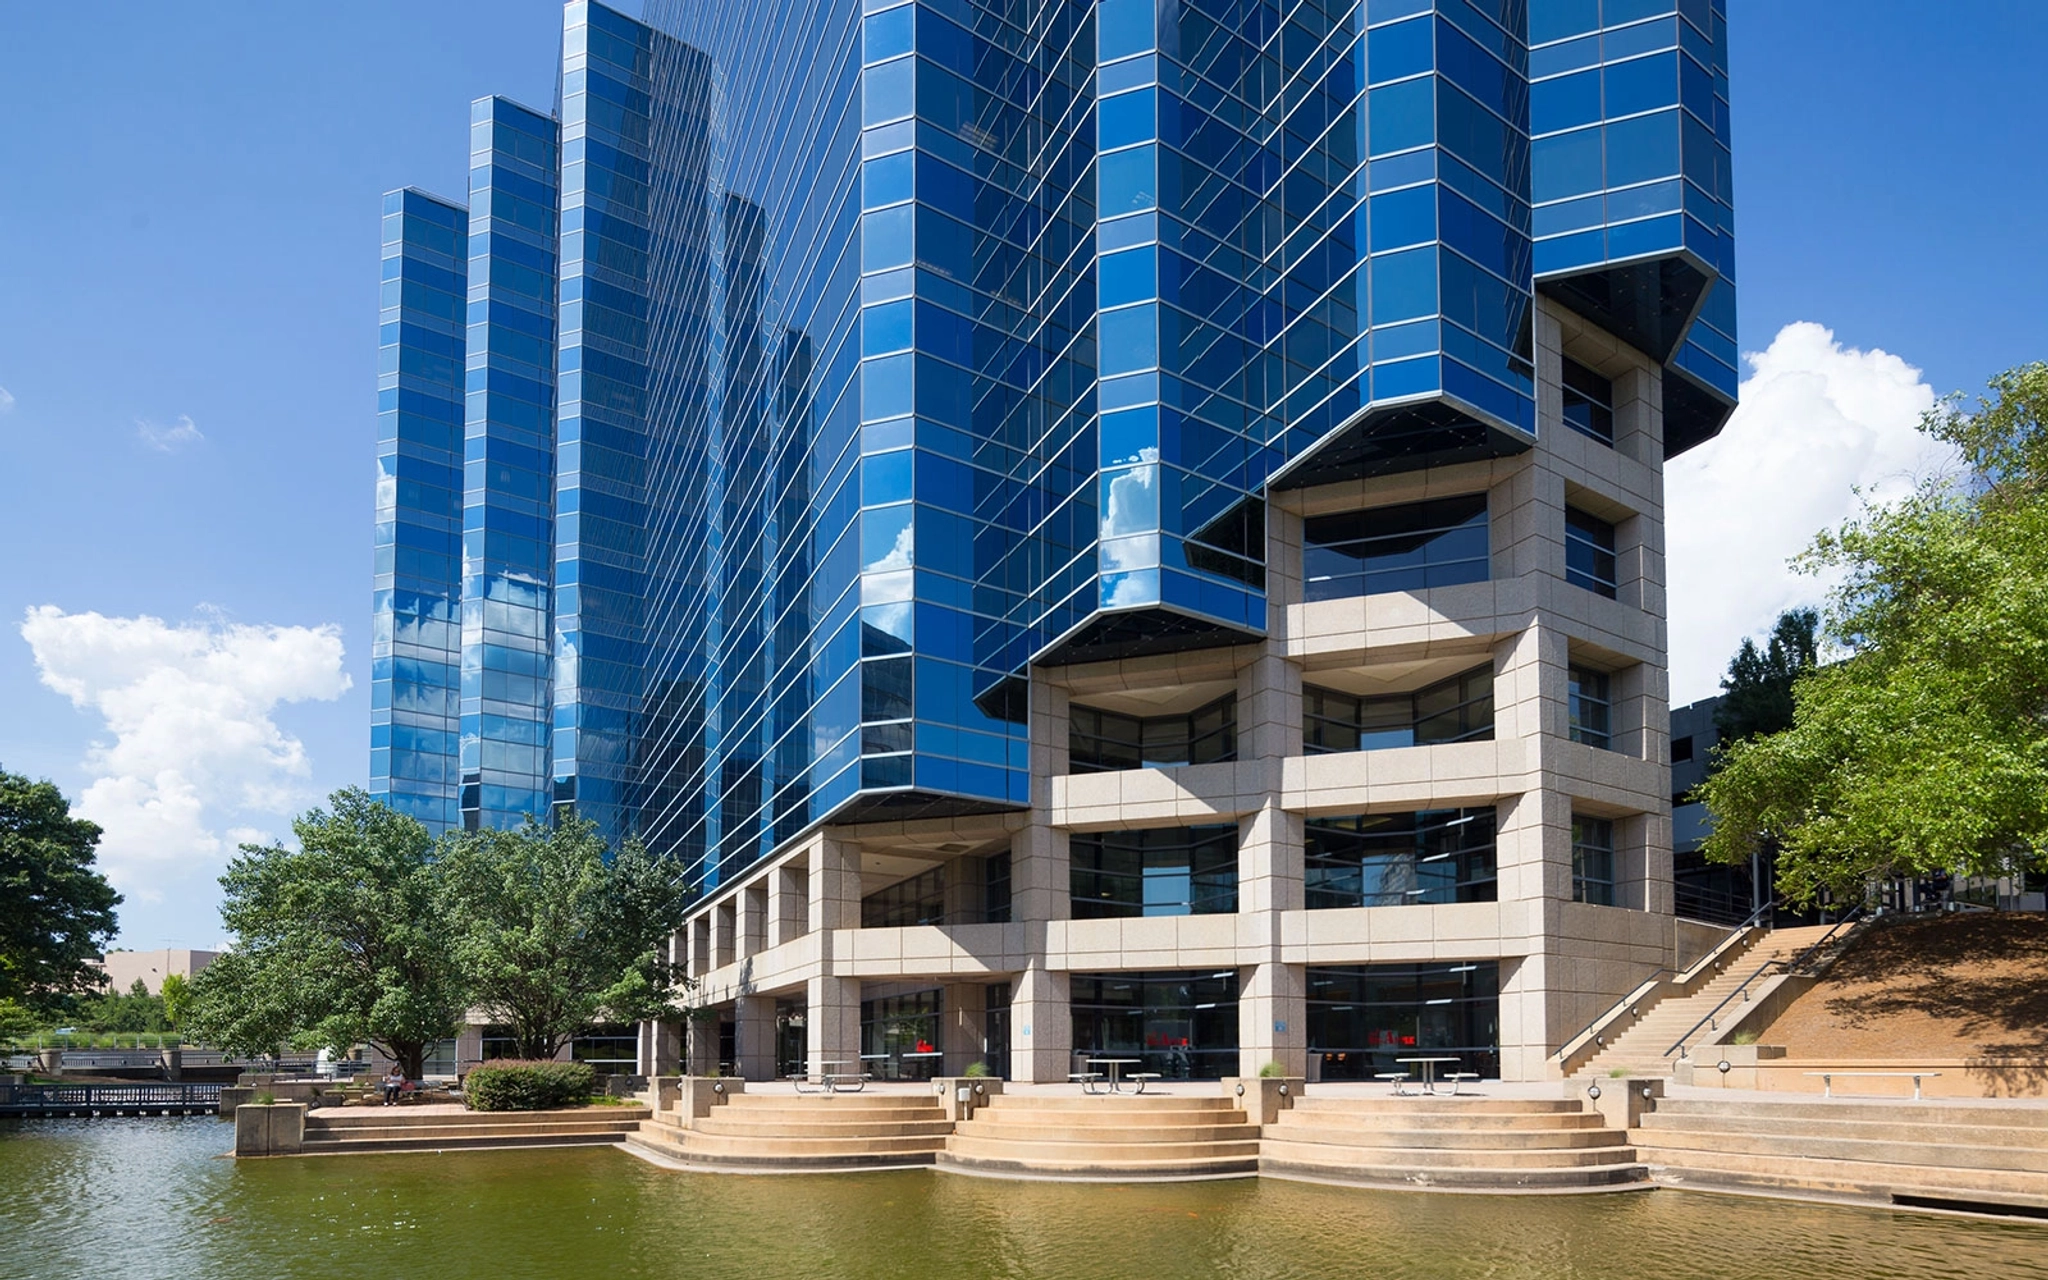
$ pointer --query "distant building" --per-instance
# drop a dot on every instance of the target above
(152, 967)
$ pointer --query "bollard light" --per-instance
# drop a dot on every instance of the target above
(1722, 1066)
(1283, 1088)
(1240, 1088)
(718, 1086)
(1593, 1092)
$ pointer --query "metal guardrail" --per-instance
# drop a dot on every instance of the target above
(1797, 962)
(1656, 976)
(107, 1099)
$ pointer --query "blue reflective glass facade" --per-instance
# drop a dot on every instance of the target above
(900, 346)
(508, 544)
(415, 646)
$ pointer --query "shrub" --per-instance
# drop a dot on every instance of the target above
(1746, 1037)
(978, 1069)
(1272, 1069)
(513, 1084)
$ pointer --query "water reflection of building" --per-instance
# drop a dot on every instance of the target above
(1138, 533)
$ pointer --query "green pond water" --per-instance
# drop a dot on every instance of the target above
(130, 1199)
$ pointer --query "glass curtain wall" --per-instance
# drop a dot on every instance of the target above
(1098, 741)
(1163, 871)
(1459, 709)
(1406, 548)
(416, 639)
(1401, 859)
(1181, 1025)
(899, 1036)
(1363, 1019)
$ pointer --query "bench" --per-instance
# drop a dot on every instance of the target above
(1827, 1079)
(1458, 1077)
(1086, 1079)
(1142, 1076)
(1396, 1078)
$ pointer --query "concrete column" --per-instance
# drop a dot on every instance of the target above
(963, 890)
(755, 1036)
(1639, 414)
(788, 907)
(831, 1020)
(1041, 1026)
(1269, 870)
(753, 920)
(963, 1034)
(1268, 712)
(1272, 1018)
(700, 945)
(834, 896)
(724, 933)
(665, 1048)
(1041, 884)
(469, 1046)
(1526, 1034)
(700, 1056)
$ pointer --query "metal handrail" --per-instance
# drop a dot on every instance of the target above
(1743, 990)
(1643, 988)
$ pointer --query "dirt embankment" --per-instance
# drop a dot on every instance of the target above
(1958, 986)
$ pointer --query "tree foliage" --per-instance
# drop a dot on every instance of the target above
(56, 909)
(340, 941)
(132, 1010)
(1927, 748)
(1757, 691)
(550, 933)
(177, 999)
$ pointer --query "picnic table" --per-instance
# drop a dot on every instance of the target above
(1116, 1078)
(1827, 1079)
(1429, 1066)
(831, 1075)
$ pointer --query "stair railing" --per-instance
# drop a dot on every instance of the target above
(1632, 1002)
(1683, 1049)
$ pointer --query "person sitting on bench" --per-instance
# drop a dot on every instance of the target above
(394, 1084)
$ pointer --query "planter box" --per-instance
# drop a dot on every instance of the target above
(274, 1129)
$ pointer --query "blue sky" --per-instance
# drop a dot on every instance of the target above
(188, 291)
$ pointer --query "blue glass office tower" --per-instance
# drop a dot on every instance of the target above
(900, 348)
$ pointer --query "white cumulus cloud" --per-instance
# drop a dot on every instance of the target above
(1822, 429)
(169, 439)
(190, 741)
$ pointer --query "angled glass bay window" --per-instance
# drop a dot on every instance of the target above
(1459, 709)
(1589, 558)
(1592, 711)
(1406, 548)
(1588, 402)
(1401, 859)
(1592, 861)
(1106, 740)
(919, 900)
(1162, 871)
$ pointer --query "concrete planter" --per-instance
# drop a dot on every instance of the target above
(1620, 1100)
(50, 1062)
(273, 1129)
(960, 1095)
(1264, 1097)
(695, 1096)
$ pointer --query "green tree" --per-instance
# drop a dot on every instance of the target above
(1927, 748)
(1756, 693)
(338, 942)
(56, 910)
(177, 998)
(17, 1024)
(131, 1010)
(551, 933)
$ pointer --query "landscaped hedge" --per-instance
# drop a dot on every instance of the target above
(515, 1084)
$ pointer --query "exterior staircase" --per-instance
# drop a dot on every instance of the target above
(1454, 1143)
(1929, 1154)
(355, 1130)
(1105, 1138)
(823, 1133)
(1639, 1049)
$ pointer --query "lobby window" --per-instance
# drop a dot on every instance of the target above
(1181, 1025)
(1106, 740)
(1161, 871)
(1681, 749)
(995, 888)
(1408, 548)
(1592, 861)
(1362, 1018)
(1592, 709)
(1400, 859)
(918, 900)
(1588, 402)
(900, 1036)
(1459, 709)
(1589, 559)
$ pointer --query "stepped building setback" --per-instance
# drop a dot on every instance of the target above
(1087, 528)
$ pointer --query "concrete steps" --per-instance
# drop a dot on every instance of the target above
(1107, 1138)
(824, 1134)
(1640, 1047)
(1960, 1156)
(1470, 1144)
(372, 1130)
